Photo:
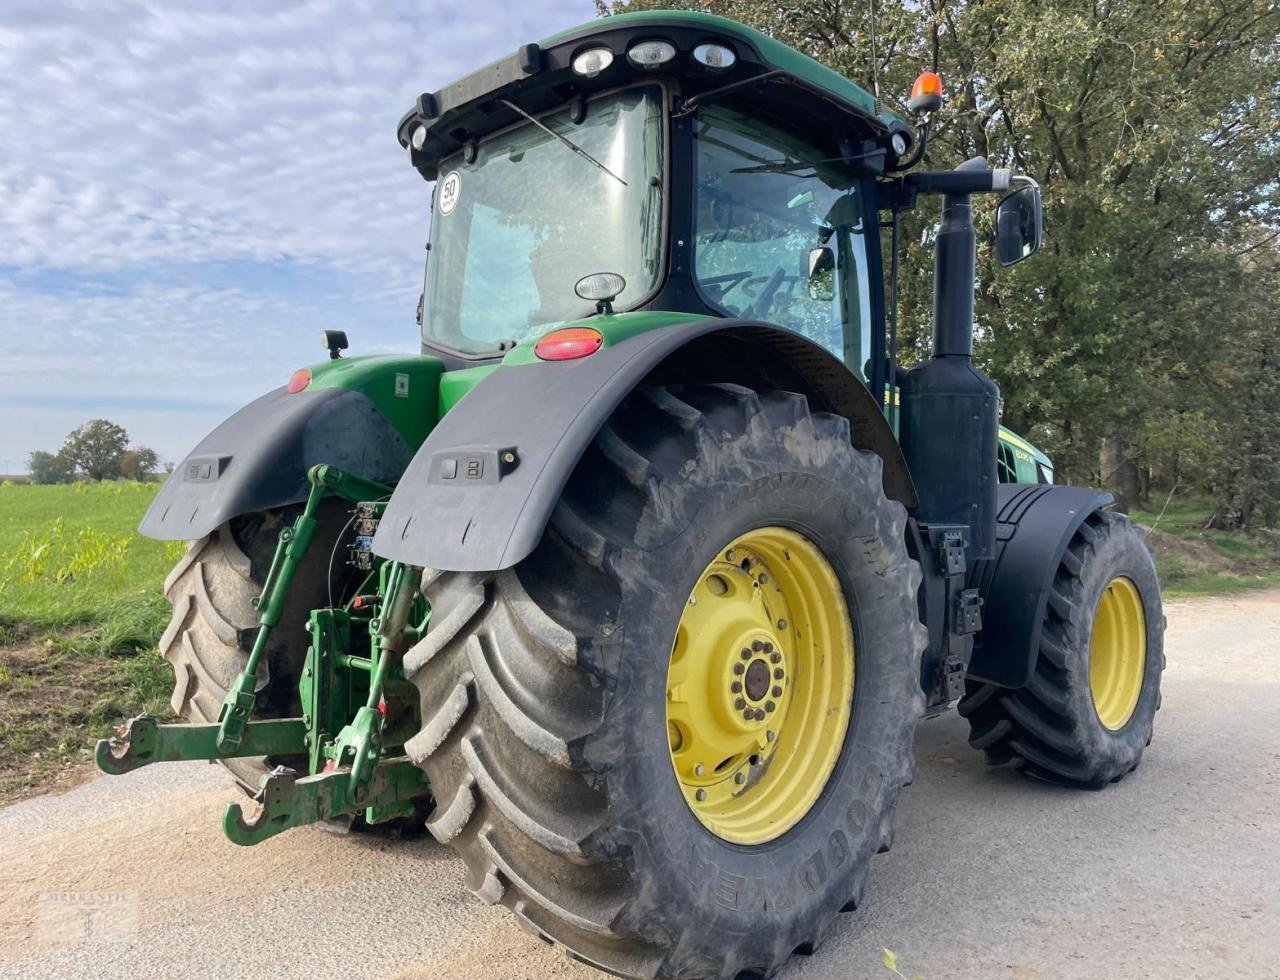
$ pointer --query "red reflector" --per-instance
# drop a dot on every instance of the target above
(298, 380)
(566, 344)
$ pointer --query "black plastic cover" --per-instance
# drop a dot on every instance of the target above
(1034, 525)
(949, 429)
(259, 457)
(544, 415)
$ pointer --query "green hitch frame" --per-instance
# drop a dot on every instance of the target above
(291, 549)
(349, 772)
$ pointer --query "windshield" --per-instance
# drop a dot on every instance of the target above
(513, 231)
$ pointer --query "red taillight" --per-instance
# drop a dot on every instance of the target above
(569, 343)
(298, 380)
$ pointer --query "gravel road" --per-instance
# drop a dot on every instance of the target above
(1174, 872)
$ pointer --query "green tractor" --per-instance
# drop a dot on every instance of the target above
(635, 582)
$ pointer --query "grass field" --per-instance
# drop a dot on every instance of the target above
(81, 610)
(1194, 560)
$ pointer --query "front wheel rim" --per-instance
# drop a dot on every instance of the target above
(760, 685)
(1117, 653)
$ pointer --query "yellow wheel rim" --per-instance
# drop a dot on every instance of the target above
(760, 685)
(1117, 653)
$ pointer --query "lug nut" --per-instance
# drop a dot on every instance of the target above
(700, 795)
(749, 715)
(736, 687)
(777, 692)
(740, 778)
(764, 578)
(778, 673)
(769, 736)
(738, 668)
(769, 706)
(756, 645)
(730, 555)
(775, 657)
(739, 704)
(699, 769)
(768, 647)
(746, 654)
(782, 624)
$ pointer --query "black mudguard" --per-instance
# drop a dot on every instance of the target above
(480, 491)
(259, 457)
(1034, 525)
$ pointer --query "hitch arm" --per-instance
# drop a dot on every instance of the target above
(291, 549)
(286, 801)
(143, 742)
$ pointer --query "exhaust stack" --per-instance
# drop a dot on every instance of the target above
(950, 409)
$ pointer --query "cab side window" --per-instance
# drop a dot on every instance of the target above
(1006, 466)
(780, 234)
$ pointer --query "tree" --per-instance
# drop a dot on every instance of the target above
(49, 467)
(97, 448)
(1141, 334)
(139, 463)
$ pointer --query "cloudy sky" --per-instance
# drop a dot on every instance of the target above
(191, 190)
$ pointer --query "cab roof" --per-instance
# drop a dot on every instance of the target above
(539, 77)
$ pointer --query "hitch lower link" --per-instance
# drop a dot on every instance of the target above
(351, 771)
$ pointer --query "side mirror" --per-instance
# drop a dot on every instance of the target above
(1018, 225)
(822, 274)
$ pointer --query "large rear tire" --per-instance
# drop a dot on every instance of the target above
(1089, 709)
(546, 705)
(214, 623)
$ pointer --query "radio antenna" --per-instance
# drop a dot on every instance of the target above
(875, 62)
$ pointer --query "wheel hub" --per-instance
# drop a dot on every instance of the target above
(1117, 653)
(757, 683)
(756, 706)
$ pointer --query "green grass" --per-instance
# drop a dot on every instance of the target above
(71, 554)
(1195, 560)
(81, 610)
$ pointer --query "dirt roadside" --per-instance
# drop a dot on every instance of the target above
(1172, 872)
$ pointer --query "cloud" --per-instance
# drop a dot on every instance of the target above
(193, 193)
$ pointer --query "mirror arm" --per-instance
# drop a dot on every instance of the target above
(922, 142)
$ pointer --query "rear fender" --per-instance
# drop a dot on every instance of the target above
(259, 457)
(1034, 525)
(480, 491)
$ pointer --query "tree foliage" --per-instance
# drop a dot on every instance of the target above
(139, 463)
(46, 467)
(1140, 345)
(97, 448)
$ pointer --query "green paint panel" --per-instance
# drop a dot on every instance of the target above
(775, 53)
(455, 384)
(615, 328)
(405, 388)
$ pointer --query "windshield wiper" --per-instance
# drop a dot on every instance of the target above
(567, 142)
(792, 166)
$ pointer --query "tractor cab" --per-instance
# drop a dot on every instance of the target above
(718, 172)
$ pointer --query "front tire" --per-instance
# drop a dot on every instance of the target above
(545, 693)
(1089, 708)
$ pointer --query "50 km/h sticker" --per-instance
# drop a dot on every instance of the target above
(450, 189)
